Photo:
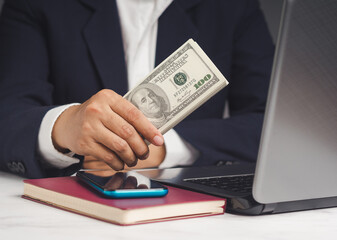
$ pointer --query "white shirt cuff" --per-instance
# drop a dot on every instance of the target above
(178, 151)
(51, 156)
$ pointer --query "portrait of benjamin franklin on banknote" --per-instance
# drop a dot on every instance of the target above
(152, 101)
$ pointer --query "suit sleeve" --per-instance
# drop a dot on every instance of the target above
(25, 93)
(236, 138)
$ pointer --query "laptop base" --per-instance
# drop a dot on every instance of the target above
(243, 204)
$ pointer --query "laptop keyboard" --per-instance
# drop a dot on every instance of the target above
(238, 183)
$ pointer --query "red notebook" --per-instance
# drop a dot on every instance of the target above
(69, 194)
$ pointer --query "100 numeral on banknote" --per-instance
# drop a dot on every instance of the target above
(176, 87)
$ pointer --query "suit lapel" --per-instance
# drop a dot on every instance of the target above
(104, 39)
(174, 28)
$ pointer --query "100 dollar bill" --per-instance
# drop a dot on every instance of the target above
(176, 87)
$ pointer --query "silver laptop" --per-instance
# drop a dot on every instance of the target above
(297, 162)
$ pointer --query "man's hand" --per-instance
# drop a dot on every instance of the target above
(108, 128)
(156, 157)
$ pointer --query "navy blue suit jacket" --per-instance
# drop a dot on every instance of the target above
(64, 51)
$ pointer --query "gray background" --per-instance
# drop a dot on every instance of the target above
(271, 9)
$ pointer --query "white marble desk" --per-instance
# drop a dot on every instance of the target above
(23, 219)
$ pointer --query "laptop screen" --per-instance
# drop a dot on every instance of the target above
(298, 150)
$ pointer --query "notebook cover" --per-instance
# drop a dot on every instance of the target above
(74, 187)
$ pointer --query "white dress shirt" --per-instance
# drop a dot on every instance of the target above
(139, 24)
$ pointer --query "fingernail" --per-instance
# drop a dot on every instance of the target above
(158, 140)
(145, 156)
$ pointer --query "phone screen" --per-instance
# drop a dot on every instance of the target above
(122, 184)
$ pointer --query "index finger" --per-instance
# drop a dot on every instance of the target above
(137, 119)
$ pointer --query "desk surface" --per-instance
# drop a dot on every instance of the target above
(22, 219)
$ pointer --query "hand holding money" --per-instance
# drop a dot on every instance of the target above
(106, 127)
(112, 129)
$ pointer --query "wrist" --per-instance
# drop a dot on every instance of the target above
(60, 131)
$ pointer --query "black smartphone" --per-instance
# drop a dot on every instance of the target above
(122, 184)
